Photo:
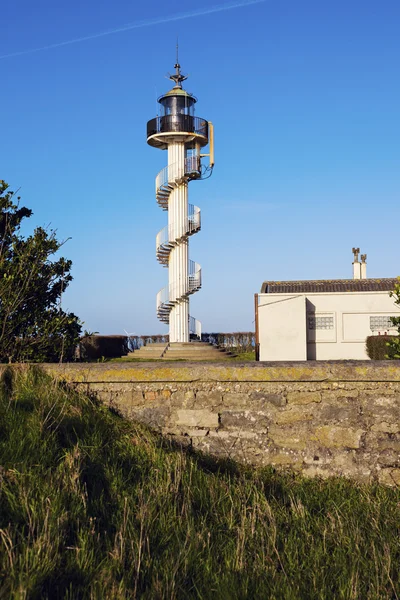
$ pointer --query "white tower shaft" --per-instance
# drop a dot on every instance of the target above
(178, 272)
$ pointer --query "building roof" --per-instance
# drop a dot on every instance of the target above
(329, 285)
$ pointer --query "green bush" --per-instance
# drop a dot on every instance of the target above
(107, 346)
(33, 278)
(377, 346)
(394, 343)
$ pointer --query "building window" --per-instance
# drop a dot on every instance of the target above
(320, 323)
(380, 323)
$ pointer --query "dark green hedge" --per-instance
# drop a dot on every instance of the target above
(107, 346)
(376, 346)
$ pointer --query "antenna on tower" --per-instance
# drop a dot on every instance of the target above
(177, 77)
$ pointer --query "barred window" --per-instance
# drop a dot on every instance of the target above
(320, 323)
(380, 323)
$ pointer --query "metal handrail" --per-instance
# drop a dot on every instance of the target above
(195, 326)
(177, 124)
(167, 296)
(165, 237)
(194, 277)
(167, 176)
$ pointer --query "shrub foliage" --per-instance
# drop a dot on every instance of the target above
(377, 346)
(33, 326)
(394, 343)
(103, 346)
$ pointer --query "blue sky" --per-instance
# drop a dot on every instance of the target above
(304, 97)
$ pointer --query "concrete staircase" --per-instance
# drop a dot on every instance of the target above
(149, 352)
(195, 351)
(191, 351)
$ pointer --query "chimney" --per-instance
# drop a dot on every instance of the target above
(363, 266)
(356, 264)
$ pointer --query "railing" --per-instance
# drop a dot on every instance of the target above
(166, 237)
(170, 295)
(177, 124)
(194, 218)
(195, 327)
(194, 277)
(168, 175)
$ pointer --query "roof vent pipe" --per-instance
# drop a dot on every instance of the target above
(356, 264)
(363, 266)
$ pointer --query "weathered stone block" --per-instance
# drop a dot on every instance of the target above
(234, 399)
(150, 395)
(123, 398)
(322, 456)
(156, 416)
(349, 412)
(183, 399)
(389, 477)
(333, 395)
(389, 441)
(211, 398)
(199, 432)
(289, 437)
(265, 398)
(220, 434)
(293, 415)
(338, 437)
(389, 458)
(377, 441)
(137, 398)
(238, 434)
(244, 419)
(197, 418)
(386, 427)
(343, 461)
(303, 397)
(382, 409)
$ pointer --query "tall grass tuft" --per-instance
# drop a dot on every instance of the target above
(92, 506)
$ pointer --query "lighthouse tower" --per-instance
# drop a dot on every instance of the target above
(183, 135)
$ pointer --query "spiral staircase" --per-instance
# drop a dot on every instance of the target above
(167, 297)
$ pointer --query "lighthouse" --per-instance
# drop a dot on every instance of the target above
(183, 135)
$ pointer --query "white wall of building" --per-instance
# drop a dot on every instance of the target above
(283, 323)
(321, 326)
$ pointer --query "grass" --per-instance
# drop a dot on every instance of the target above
(92, 506)
(245, 356)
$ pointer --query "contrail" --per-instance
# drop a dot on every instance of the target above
(145, 23)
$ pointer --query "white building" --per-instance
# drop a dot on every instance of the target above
(325, 319)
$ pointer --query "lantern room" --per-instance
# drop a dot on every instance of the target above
(176, 119)
(177, 102)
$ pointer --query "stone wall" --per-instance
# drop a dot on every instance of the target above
(319, 418)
